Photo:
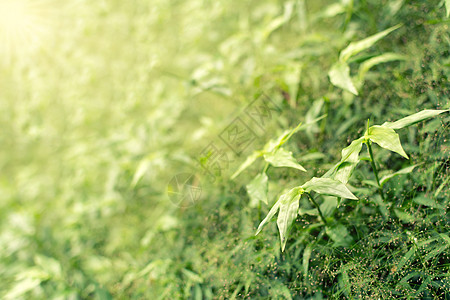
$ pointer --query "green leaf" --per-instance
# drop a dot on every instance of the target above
(439, 189)
(340, 235)
(283, 138)
(426, 281)
(447, 6)
(412, 119)
(356, 47)
(386, 138)
(250, 159)
(257, 189)
(288, 205)
(381, 205)
(405, 259)
(288, 213)
(331, 11)
(344, 282)
(402, 171)
(26, 281)
(313, 156)
(340, 76)
(328, 206)
(383, 58)
(393, 7)
(371, 183)
(306, 257)
(404, 217)
(427, 202)
(278, 290)
(310, 212)
(50, 265)
(435, 252)
(287, 134)
(445, 238)
(424, 242)
(21, 287)
(269, 216)
(271, 145)
(283, 158)
(191, 276)
(140, 172)
(312, 113)
(278, 22)
(404, 281)
(328, 186)
(349, 160)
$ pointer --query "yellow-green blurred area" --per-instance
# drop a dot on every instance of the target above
(102, 103)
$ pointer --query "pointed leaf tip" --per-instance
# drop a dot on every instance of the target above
(250, 160)
(356, 47)
(269, 216)
(289, 203)
(414, 118)
(340, 76)
(328, 186)
(283, 158)
(386, 138)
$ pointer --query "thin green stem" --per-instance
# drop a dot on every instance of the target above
(375, 170)
(288, 136)
(418, 253)
(348, 15)
(266, 167)
(323, 124)
(318, 208)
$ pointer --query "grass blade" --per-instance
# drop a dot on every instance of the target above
(415, 118)
(356, 47)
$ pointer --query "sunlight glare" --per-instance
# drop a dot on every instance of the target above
(23, 24)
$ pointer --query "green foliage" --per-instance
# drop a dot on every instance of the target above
(356, 47)
(447, 6)
(288, 203)
(340, 71)
(410, 120)
(386, 138)
(258, 189)
(288, 209)
(273, 153)
(340, 77)
(406, 170)
(328, 186)
(282, 158)
(113, 99)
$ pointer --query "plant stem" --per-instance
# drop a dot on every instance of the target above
(348, 15)
(323, 124)
(318, 208)
(375, 171)
(266, 167)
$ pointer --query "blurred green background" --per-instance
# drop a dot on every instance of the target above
(104, 102)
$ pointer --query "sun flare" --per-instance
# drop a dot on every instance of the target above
(23, 25)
